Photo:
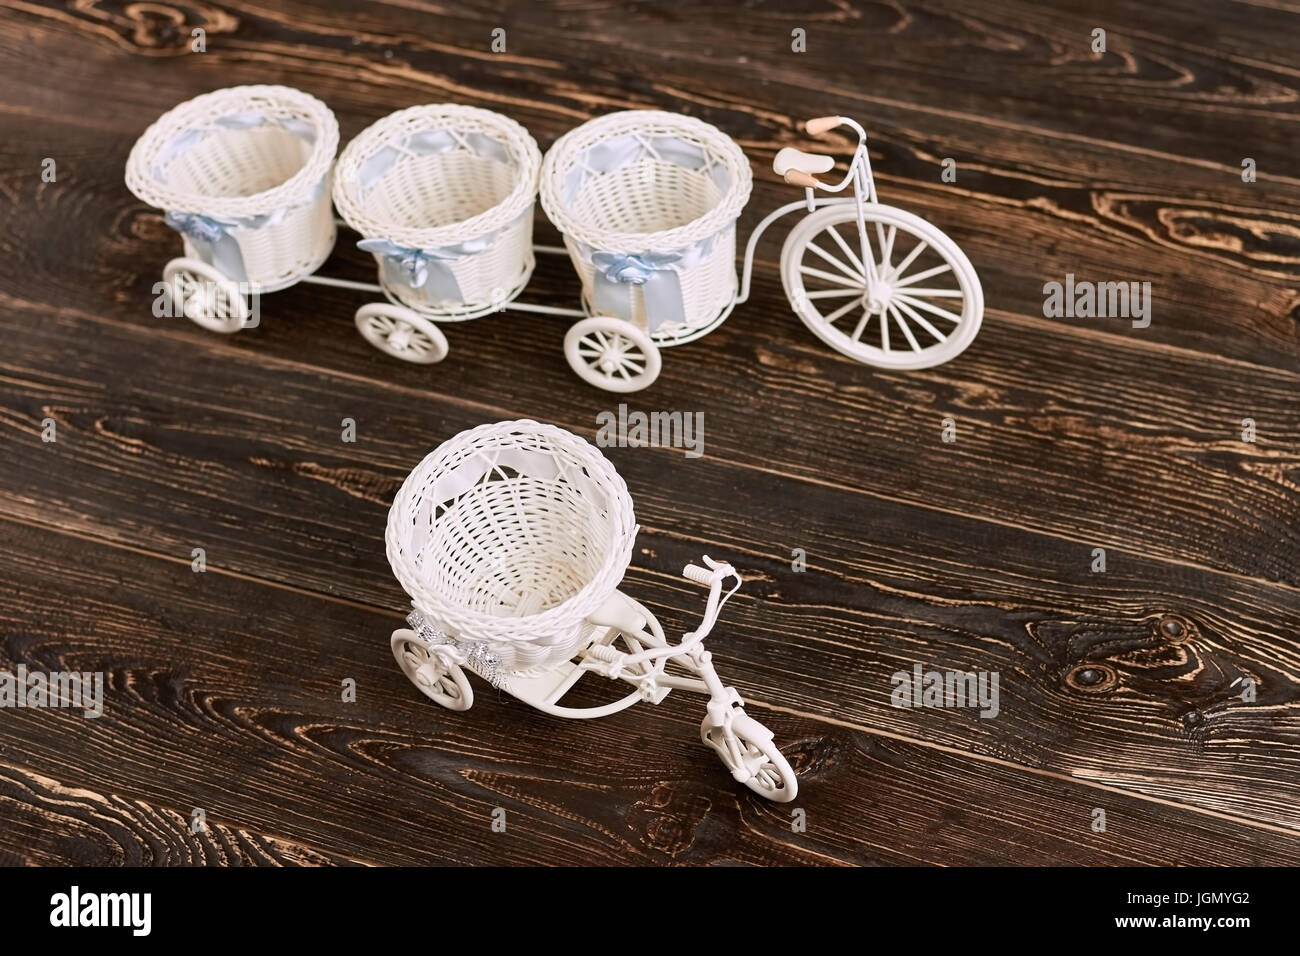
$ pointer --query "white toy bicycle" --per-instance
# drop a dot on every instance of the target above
(512, 539)
(910, 302)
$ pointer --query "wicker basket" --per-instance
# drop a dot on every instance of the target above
(647, 202)
(507, 537)
(243, 175)
(443, 196)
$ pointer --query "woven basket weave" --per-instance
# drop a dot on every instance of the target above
(250, 166)
(645, 183)
(510, 535)
(455, 183)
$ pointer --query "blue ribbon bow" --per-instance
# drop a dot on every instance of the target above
(211, 240)
(416, 268)
(658, 275)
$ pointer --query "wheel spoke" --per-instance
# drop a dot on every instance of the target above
(840, 311)
(922, 304)
(884, 333)
(934, 293)
(918, 318)
(832, 293)
(937, 270)
(907, 332)
(844, 247)
(813, 247)
(862, 326)
(834, 279)
(921, 246)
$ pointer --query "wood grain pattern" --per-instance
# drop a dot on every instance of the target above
(1072, 435)
(239, 684)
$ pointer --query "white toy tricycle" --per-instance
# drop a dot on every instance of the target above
(443, 197)
(512, 540)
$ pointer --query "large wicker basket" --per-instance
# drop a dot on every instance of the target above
(443, 196)
(507, 537)
(647, 202)
(243, 175)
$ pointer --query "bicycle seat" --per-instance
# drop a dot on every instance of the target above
(790, 158)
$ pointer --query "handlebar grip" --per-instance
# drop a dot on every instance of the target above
(821, 124)
(698, 574)
(799, 178)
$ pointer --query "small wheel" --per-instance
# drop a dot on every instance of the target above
(612, 354)
(402, 333)
(924, 310)
(443, 682)
(747, 750)
(206, 297)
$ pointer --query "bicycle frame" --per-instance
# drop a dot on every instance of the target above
(860, 176)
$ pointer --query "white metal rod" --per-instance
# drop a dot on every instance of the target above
(342, 283)
(543, 309)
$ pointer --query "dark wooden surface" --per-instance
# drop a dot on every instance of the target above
(224, 687)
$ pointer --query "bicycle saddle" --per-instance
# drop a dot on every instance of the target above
(811, 163)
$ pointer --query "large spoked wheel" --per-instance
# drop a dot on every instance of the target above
(442, 681)
(612, 354)
(925, 305)
(205, 296)
(746, 749)
(402, 333)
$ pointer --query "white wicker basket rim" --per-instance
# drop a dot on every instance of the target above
(233, 108)
(670, 137)
(431, 128)
(524, 446)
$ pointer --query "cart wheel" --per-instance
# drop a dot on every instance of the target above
(746, 749)
(612, 354)
(206, 296)
(442, 681)
(402, 333)
(926, 308)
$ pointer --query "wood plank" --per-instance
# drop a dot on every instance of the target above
(48, 823)
(238, 684)
(974, 555)
(1221, 254)
(1042, 442)
(258, 477)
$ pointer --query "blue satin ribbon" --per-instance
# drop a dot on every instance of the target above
(183, 142)
(213, 240)
(417, 268)
(426, 143)
(210, 237)
(620, 151)
(658, 275)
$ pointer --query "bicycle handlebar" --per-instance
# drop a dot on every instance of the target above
(612, 663)
(816, 127)
(713, 575)
(823, 124)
